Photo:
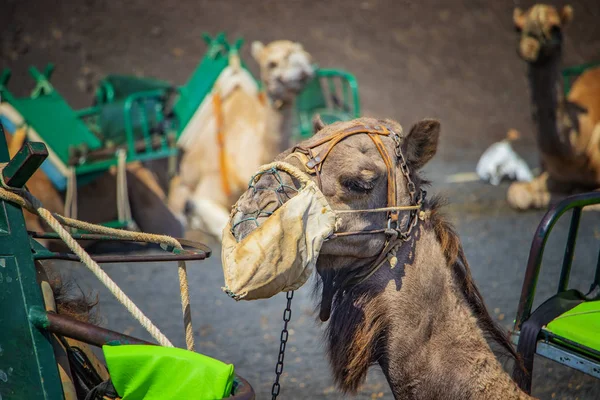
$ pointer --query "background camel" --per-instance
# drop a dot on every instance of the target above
(567, 129)
(234, 131)
(421, 319)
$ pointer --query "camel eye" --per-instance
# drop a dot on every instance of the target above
(272, 64)
(357, 185)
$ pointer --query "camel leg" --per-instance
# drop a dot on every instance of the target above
(539, 193)
(530, 195)
(179, 195)
(207, 213)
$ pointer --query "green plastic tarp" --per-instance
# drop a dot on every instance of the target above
(158, 373)
(580, 325)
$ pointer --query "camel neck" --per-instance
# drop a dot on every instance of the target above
(546, 97)
(436, 349)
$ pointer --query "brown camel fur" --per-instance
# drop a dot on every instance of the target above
(423, 320)
(568, 129)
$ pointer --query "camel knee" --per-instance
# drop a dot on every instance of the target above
(207, 215)
(527, 195)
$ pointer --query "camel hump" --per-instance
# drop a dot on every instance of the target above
(586, 92)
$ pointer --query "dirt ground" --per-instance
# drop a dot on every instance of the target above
(452, 60)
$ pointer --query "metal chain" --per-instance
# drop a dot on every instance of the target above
(410, 185)
(287, 315)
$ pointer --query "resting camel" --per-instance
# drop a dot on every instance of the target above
(567, 129)
(419, 315)
(236, 130)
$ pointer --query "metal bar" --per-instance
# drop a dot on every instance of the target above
(597, 274)
(5, 77)
(565, 272)
(568, 358)
(127, 107)
(86, 112)
(191, 250)
(109, 152)
(536, 252)
(121, 259)
(24, 164)
(346, 93)
(25, 350)
(82, 331)
(351, 82)
(105, 164)
(48, 71)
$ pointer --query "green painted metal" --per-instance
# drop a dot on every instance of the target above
(333, 94)
(68, 132)
(572, 341)
(114, 89)
(571, 73)
(24, 164)
(27, 364)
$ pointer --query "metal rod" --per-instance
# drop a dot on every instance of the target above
(597, 275)
(563, 283)
(82, 331)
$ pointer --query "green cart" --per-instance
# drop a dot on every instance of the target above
(45, 354)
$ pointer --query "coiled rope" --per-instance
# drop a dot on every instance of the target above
(57, 222)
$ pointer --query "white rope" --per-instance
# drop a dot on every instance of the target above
(71, 194)
(123, 208)
(56, 221)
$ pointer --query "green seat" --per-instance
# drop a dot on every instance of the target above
(118, 87)
(579, 325)
(146, 114)
(56, 122)
(145, 372)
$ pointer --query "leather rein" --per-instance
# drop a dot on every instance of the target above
(313, 163)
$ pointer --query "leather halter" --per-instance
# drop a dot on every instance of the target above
(395, 237)
(314, 162)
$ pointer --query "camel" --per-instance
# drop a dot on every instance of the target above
(418, 314)
(235, 130)
(567, 129)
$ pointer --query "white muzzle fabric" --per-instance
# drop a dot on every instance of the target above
(281, 253)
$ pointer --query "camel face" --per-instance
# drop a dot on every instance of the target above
(354, 177)
(540, 30)
(285, 68)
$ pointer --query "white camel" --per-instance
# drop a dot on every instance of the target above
(237, 128)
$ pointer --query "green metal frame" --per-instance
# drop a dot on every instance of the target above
(569, 74)
(28, 366)
(333, 94)
(82, 124)
(27, 359)
(557, 349)
(114, 88)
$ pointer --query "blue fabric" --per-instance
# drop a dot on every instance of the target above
(58, 180)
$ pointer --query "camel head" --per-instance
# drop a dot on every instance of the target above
(540, 30)
(285, 68)
(353, 176)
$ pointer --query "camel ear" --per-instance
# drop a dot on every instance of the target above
(318, 123)
(519, 18)
(421, 143)
(566, 15)
(257, 49)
